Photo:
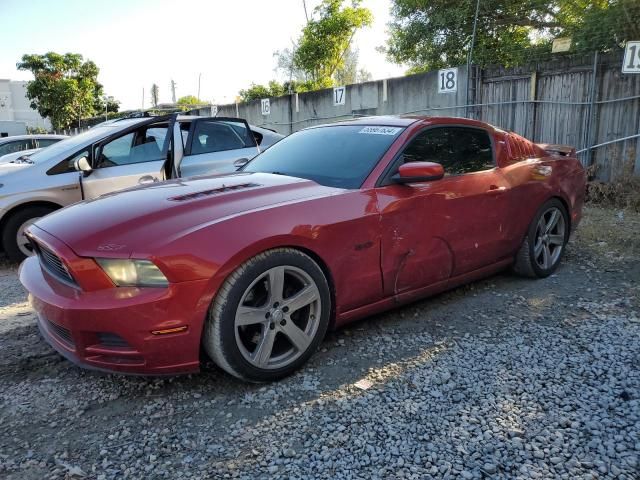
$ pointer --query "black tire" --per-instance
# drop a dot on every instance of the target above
(219, 336)
(14, 222)
(526, 263)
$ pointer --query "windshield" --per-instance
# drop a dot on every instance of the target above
(339, 156)
(77, 141)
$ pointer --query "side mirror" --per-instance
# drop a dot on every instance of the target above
(418, 172)
(82, 165)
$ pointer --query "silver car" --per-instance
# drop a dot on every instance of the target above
(116, 155)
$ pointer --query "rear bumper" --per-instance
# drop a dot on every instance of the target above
(110, 329)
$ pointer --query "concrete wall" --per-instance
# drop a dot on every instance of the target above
(411, 94)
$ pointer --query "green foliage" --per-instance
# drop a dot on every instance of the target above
(65, 87)
(325, 40)
(190, 100)
(430, 34)
(36, 130)
(255, 92)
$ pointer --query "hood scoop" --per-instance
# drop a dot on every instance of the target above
(213, 191)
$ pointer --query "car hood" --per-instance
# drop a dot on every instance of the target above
(9, 169)
(143, 218)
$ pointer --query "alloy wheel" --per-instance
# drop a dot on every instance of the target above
(277, 317)
(549, 239)
(21, 239)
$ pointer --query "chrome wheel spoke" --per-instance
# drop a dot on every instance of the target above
(298, 338)
(304, 297)
(537, 249)
(556, 239)
(250, 315)
(262, 353)
(553, 221)
(546, 257)
(276, 284)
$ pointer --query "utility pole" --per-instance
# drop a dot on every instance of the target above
(142, 98)
(199, 76)
(173, 91)
(470, 55)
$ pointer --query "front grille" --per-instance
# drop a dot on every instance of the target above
(108, 339)
(61, 333)
(53, 264)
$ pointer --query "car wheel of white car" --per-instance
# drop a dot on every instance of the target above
(14, 241)
(269, 316)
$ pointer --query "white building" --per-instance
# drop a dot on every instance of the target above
(15, 111)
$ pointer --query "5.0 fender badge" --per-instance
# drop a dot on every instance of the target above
(111, 247)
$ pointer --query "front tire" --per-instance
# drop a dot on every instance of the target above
(269, 316)
(545, 242)
(14, 241)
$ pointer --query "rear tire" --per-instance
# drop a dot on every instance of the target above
(269, 316)
(544, 244)
(15, 248)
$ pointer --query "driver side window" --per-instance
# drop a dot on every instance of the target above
(144, 145)
(458, 149)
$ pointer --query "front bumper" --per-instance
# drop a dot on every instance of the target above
(110, 329)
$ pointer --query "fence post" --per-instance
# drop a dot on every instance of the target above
(533, 84)
(590, 113)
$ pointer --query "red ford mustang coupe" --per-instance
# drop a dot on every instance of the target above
(332, 224)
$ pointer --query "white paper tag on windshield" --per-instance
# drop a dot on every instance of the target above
(380, 130)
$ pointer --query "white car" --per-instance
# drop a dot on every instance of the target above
(19, 143)
(116, 155)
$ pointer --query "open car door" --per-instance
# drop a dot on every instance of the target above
(213, 145)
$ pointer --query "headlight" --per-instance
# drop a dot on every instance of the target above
(133, 273)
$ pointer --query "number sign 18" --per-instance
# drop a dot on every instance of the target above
(631, 62)
(338, 96)
(448, 80)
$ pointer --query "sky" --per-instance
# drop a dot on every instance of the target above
(136, 43)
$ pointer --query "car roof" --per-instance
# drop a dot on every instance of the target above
(405, 121)
(28, 137)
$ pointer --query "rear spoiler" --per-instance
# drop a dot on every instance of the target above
(558, 150)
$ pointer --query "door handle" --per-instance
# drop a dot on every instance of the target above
(496, 189)
(241, 162)
(147, 179)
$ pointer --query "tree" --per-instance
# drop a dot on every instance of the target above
(190, 100)
(324, 42)
(255, 92)
(155, 94)
(349, 72)
(65, 88)
(430, 34)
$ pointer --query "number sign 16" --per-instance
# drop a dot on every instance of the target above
(265, 106)
(631, 62)
(338, 96)
(448, 80)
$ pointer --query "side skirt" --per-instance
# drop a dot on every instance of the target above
(407, 297)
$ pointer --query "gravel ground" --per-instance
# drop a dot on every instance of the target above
(504, 378)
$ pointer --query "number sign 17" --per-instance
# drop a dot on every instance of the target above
(448, 80)
(338, 96)
(631, 62)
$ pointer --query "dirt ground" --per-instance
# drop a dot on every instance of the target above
(60, 421)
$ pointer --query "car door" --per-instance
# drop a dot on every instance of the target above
(217, 145)
(134, 157)
(437, 230)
